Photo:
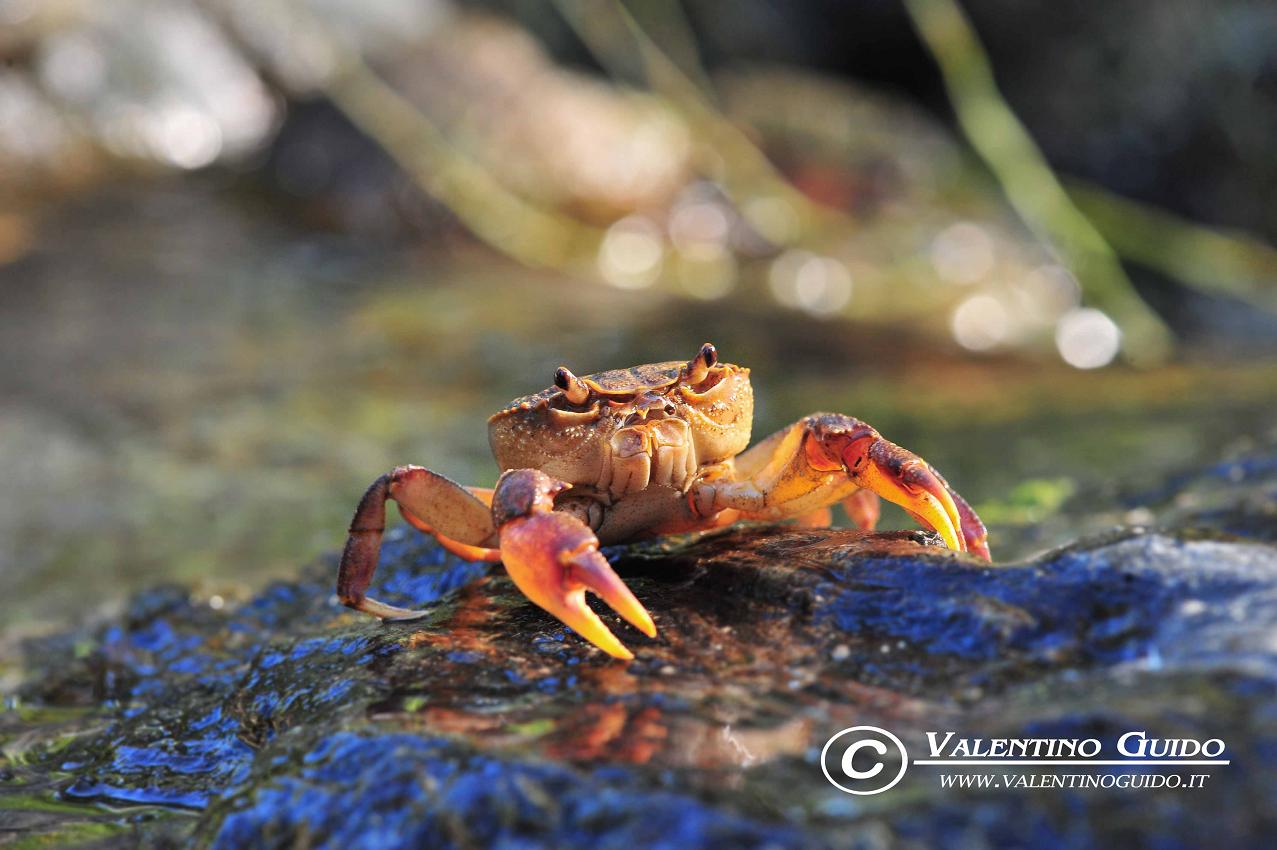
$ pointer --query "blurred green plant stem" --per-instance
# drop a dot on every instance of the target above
(531, 234)
(1061, 218)
(616, 38)
(1026, 178)
(1228, 262)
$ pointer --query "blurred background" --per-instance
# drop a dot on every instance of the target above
(254, 253)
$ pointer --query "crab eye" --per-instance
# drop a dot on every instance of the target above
(574, 389)
(698, 367)
(714, 386)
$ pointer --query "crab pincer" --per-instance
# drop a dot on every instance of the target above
(900, 476)
(554, 558)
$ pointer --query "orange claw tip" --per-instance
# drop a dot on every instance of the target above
(567, 603)
(913, 487)
(929, 507)
(553, 558)
(577, 616)
(593, 571)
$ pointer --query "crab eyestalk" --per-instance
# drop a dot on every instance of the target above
(697, 369)
(573, 388)
(554, 558)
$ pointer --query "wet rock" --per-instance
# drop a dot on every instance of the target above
(290, 720)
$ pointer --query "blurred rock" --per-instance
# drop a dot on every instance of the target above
(146, 81)
(182, 86)
(558, 136)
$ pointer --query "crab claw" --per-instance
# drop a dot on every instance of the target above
(900, 476)
(553, 558)
(973, 530)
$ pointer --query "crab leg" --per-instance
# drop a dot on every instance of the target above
(863, 508)
(972, 528)
(897, 476)
(427, 500)
(825, 458)
(554, 558)
(461, 550)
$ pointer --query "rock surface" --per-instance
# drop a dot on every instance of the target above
(289, 721)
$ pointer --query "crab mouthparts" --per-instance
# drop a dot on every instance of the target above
(644, 408)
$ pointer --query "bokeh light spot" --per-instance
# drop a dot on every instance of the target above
(1087, 338)
(632, 252)
(72, 66)
(962, 253)
(980, 323)
(1048, 292)
(185, 137)
(819, 285)
(699, 229)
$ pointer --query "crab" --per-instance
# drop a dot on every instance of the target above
(628, 453)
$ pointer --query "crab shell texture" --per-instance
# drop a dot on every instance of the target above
(627, 412)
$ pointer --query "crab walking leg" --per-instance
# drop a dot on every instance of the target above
(825, 458)
(554, 558)
(424, 497)
(819, 518)
(483, 494)
(863, 508)
(461, 550)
